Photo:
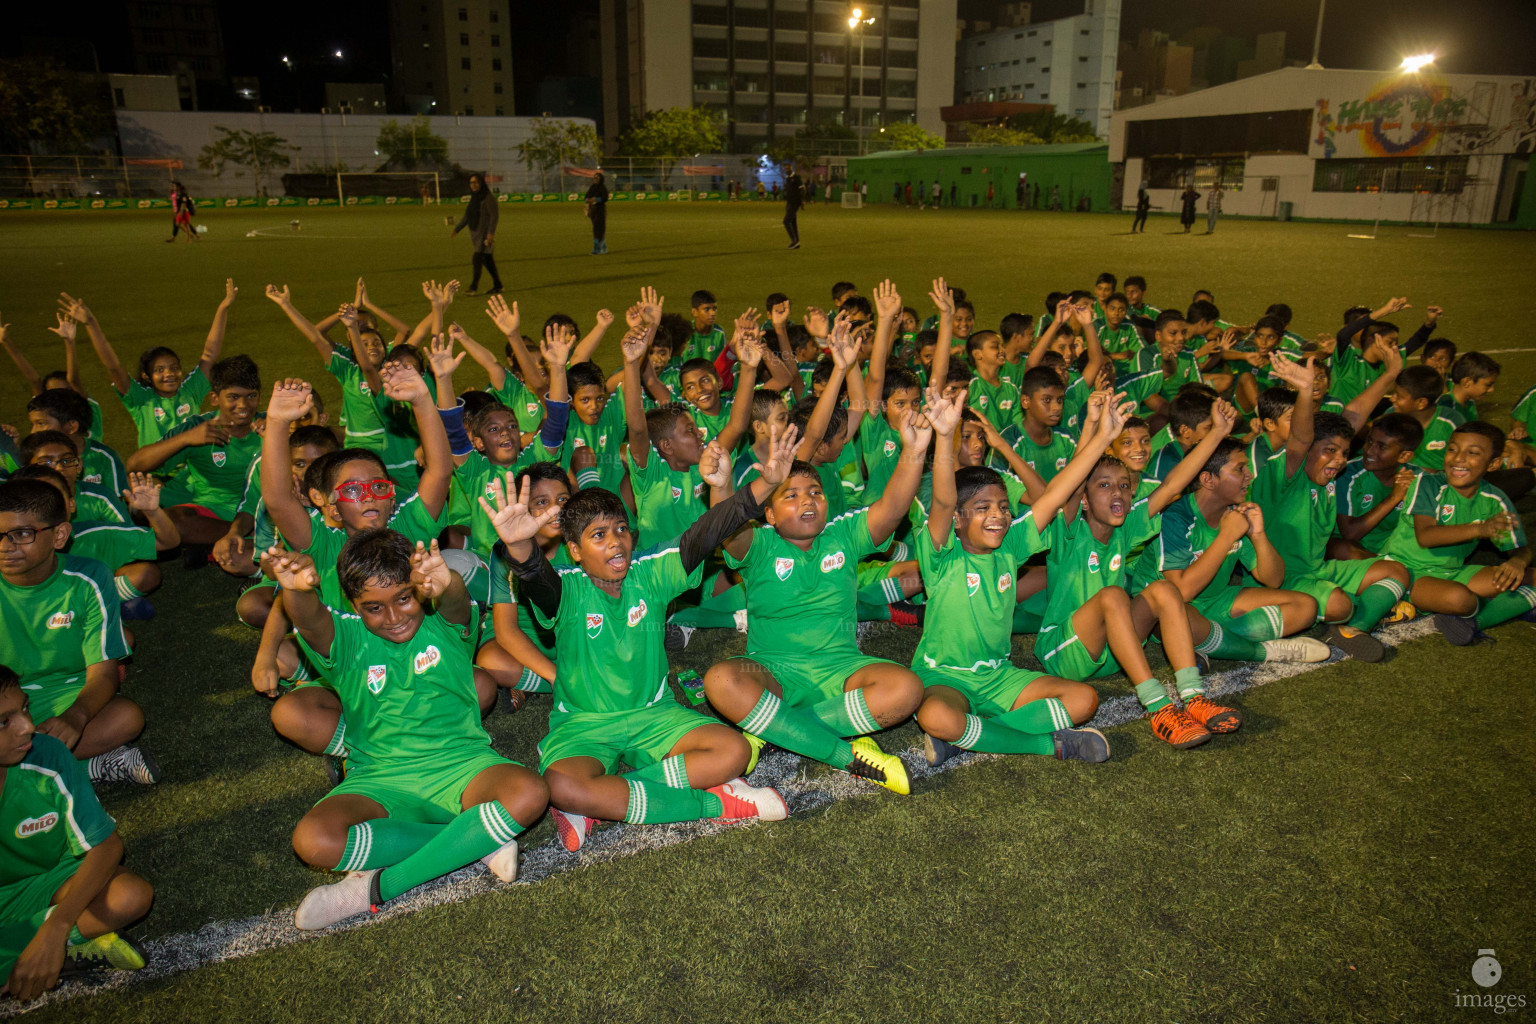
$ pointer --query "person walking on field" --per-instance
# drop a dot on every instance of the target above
(480, 217)
(938, 193)
(182, 210)
(1212, 209)
(794, 195)
(1143, 207)
(1187, 213)
(597, 212)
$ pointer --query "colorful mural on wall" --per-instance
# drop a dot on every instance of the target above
(1423, 114)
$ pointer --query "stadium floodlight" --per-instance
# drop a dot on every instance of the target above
(1416, 63)
(337, 55)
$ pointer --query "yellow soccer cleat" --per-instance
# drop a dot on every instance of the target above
(872, 763)
(756, 743)
(109, 950)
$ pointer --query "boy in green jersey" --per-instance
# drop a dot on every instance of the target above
(1119, 337)
(58, 451)
(803, 684)
(425, 793)
(211, 454)
(1448, 514)
(1136, 299)
(63, 890)
(1061, 341)
(357, 492)
(728, 419)
(1018, 334)
(1297, 488)
(1103, 287)
(1373, 487)
(891, 392)
(64, 636)
(1036, 438)
(1189, 422)
(608, 613)
(1471, 377)
(1415, 393)
(518, 391)
(707, 340)
(1523, 416)
(594, 437)
(1250, 358)
(1205, 537)
(1360, 346)
(989, 394)
(67, 411)
(970, 552)
(161, 398)
(1092, 626)
(1161, 369)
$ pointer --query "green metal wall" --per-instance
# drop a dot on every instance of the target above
(1076, 170)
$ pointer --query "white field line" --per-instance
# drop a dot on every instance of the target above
(228, 940)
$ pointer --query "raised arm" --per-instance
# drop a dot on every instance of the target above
(634, 345)
(890, 510)
(944, 301)
(77, 311)
(1223, 416)
(1354, 327)
(588, 345)
(480, 354)
(440, 585)
(517, 527)
(1360, 408)
(316, 338)
(945, 417)
(403, 384)
(1042, 344)
(296, 575)
(844, 353)
(509, 323)
(778, 316)
(1300, 378)
(28, 373)
(1098, 433)
(143, 497)
(363, 301)
(874, 381)
(291, 401)
(214, 345)
(1432, 315)
(1096, 359)
(749, 354)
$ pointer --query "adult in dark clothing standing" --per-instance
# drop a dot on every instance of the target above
(597, 211)
(794, 195)
(1187, 213)
(480, 216)
(1143, 207)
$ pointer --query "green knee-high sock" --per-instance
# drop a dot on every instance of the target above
(847, 714)
(651, 803)
(1503, 607)
(796, 730)
(384, 841)
(1263, 623)
(989, 737)
(1374, 602)
(1038, 717)
(669, 771)
(475, 833)
(1153, 695)
(1188, 682)
(338, 744)
(531, 682)
(1230, 646)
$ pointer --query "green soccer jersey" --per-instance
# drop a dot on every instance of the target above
(1437, 433)
(1351, 373)
(918, 513)
(668, 501)
(49, 814)
(671, 379)
(1331, 403)
(58, 628)
(101, 466)
(112, 544)
(1184, 537)
(506, 588)
(1074, 404)
(1164, 459)
(704, 344)
(1448, 407)
(215, 475)
(998, 403)
(407, 705)
(93, 505)
(1432, 495)
(1151, 375)
(1142, 310)
(94, 430)
(522, 402)
(1525, 412)
(1080, 565)
(477, 476)
(1299, 515)
(880, 447)
(969, 624)
(801, 603)
(400, 438)
(1361, 491)
(605, 438)
(711, 423)
(1123, 339)
(1047, 459)
(155, 415)
(361, 418)
(1011, 373)
(609, 652)
(410, 518)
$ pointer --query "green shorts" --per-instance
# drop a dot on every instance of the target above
(1215, 603)
(992, 691)
(178, 493)
(1456, 574)
(1347, 575)
(431, 793)
(639, 737)
(24, 906)
(811, 680)
(1063, 654)
(46, 702)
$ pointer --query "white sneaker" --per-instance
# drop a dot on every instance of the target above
(328, 904)
(124, 764)
(1296, 648)
(503, 863)
(740, 800)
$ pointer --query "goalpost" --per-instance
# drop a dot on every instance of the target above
(852, 199)
(391, 186)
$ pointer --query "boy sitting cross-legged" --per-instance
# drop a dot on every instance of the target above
(974, 697)
(425, 794)
(62, 884)
(608, 612)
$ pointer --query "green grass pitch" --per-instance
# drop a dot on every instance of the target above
(1344, 857)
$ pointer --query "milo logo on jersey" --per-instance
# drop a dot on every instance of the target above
(427, 658)
(1005, 404)
(60, 620)
(36, 826)
(219, 458)
(375, 679)
(186, 410)
(782, 567)
(637, 613)
(833, 562)
(1004, 581)
(1114, 562)
(1061, 464)
(972, 583)
(594, 624)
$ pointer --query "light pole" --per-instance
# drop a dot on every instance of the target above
(856, 23)
(1317, 38)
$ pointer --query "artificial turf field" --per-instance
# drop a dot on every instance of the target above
(1344, 857)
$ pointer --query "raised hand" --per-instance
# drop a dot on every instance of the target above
(781, 455)
(744, 324)
(1432, 314)
(715, 465)
(844, 347)
(508, 511)
(1396, 306)
(815, 321)
(604, 318)
(402, 383)
(230, 291)
(440, 355)
(74, 308)
(503, 316)
(1063, 311)
(1116, 412)
(1224, 415)
(208, 432)
(1093, 410)
(944, 413)
(429, 573)
(749, 350)
(65, 330)
(143, 493)
(557, 343)
(361, 298)
(650, 305)
(887, 300)
(1233, 523)
(450, 291)
(1290, 372)
(292, 398)
(634, 345)
(347, 314)
(942, 299)
(634, 317)
(778, 315)
(293, 570)
(279, 295)
(1392, 360)
(916, 431)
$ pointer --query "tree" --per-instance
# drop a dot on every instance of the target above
(411, 145)
(554, 143)
(666, 135)
(1000, 135)
(821, 138)
(43, 105)
(1052, 127)
(908, 136)
(258, 151)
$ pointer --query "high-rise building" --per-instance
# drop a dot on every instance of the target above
(776, 67)
(1068, 63)
(181, 39)
(452, 56)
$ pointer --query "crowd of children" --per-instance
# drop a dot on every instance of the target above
(1104, 476)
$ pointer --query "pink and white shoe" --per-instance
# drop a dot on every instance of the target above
(573, 829)
(739, 800)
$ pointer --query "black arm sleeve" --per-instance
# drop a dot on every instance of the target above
(1418, 339)
(714, 527)
(541, 583)
(1351, 329)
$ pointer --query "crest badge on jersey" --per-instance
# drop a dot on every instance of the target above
(637, 613)
(375, 679)
(1368, 500)
(782, 567)
(219, 459)
(60, 620)
(1093, 561)
(981, 401)
(594, 624)
(531, 408)
(1004, 581)
(890, 448)
(972, 583)
(36, 826)
(159, 413)
(833, 562)
(577, 442)
(427, 658)
(677, 494)
(1446, 512)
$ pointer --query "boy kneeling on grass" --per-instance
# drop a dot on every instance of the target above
(609, 614)
(63, 889)
(425, 793)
